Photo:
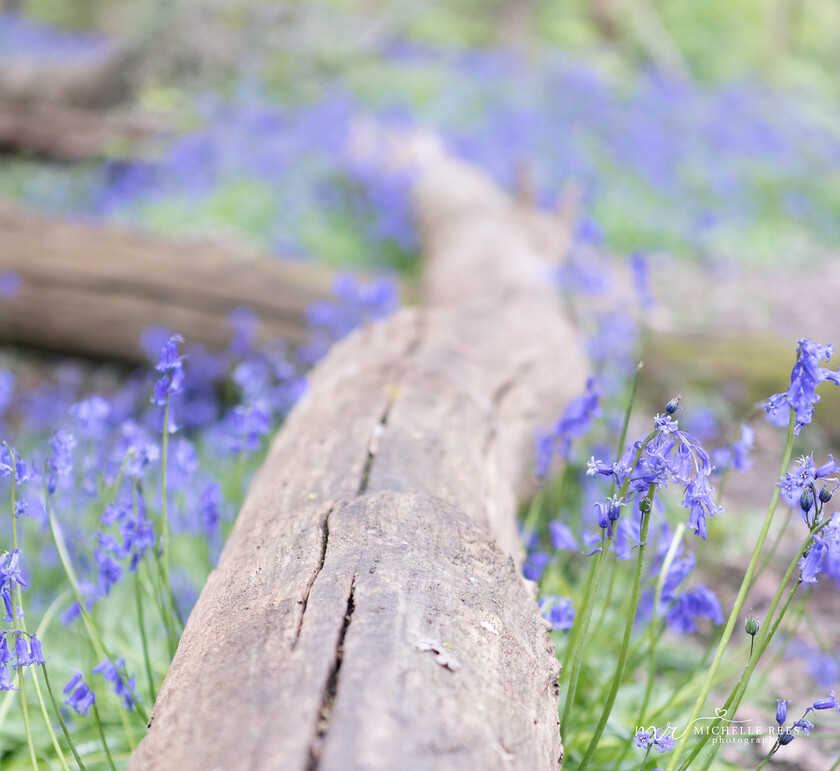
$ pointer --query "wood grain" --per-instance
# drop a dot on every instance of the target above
(367, 611)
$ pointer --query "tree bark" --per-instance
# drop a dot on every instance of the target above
(367, 611)
(93, 291)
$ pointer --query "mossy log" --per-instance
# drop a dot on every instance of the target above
(367, 611)
(92, 290)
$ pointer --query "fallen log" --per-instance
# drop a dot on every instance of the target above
(96, 79)
(91, 290)
(367, 612)
(71, 134)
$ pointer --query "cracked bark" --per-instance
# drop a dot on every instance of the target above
(308, 648)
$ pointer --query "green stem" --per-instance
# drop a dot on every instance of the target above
(16, 598)
(605, 606)
(48, 723)
(772, 553)
(737, 695)
(139, 602)
(739, 600)
(766, 759)
(654, 627)
(579, 632)
(143, 639)
(622, 438)
(102, 737)
(577, 644)
(93, 632)
(61, 722)
(628, 632)
(771, 625)
(164, 517)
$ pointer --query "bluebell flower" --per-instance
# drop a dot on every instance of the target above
(811, 563)
(562, 537)
(804, 476)
(781, 710)
(171, 381)
(92, 416)
(535, 565)
(736, 455)
(641, 280)
(6, 683)
(36, 654)
(5, 654)
(10, 569)
(558, 611)
(22, 652)
(823, 666)
(210, 505)
(658, 738)
(608, 512)
(60, 462)
(695, 603)
(109, 571)
(671, 456)
(829, 702)
(577, 418)
(248, 425)
(114, 673)
(245, 325)
(79, 696)
(803, 725)
(806, 375)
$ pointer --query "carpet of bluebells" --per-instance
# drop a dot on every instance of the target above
(121, 486)
(662, 164)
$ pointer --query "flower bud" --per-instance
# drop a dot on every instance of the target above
(751, 626)
(806, 500)
(825, 494)
(645, 505)
(672, 406)
(781, 710)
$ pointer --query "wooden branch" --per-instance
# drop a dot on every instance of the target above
(93, 290)
(94, 81)
(367, 612)
(70, 134)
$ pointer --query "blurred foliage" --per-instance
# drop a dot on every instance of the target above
(443, 62)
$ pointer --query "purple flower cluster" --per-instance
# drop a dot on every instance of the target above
(574, 423)
(681, 608)
(801, 395)
(21, 37)
(80, 697)
(11, 577)
(355, 304)
(114, 673)
(737, 454)
(803, 725)
(558, 611)
(25, 655)
(656, 738)
(670, 457)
